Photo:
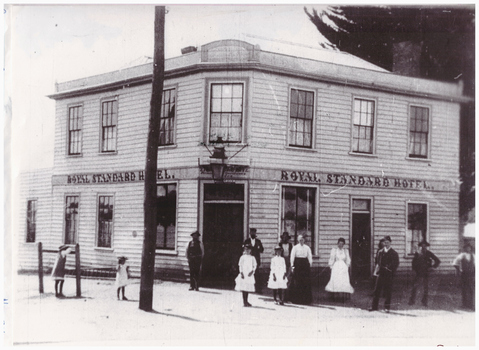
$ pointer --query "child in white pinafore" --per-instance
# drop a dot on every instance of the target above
(277, 276)
(245, 280)
(122, 276)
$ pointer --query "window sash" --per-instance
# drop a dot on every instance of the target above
(418, 132)
(226, 112)
(31, 221)
(301, 115)
(167, 118)
(166, 216)
(71, 219)
(363, 126)
(109, 122)
(105, 221)
(74, 130)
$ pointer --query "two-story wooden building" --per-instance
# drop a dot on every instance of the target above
(314, 148)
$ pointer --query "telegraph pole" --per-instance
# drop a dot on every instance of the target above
(149, 204)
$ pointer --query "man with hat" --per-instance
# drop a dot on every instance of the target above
(287, 246)
(421, 263)
(388, 262)
(256, 250)
(194, 254)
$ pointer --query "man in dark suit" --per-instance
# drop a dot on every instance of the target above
(388, 262)
(256, 250)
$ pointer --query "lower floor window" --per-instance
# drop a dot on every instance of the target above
(71, 219)
(416, 226)
(31, 220)
(298, 213)
(105, 221)
(166, 216)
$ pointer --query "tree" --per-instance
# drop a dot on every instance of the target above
(445, 38)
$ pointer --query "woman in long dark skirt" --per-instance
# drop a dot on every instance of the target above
(301, 261)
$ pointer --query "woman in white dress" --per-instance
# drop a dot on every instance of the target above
(339, 262)
(245, 280)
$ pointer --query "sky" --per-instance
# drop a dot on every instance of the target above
(57, 43)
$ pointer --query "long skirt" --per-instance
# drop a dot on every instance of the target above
(339, 281)
(300, 288)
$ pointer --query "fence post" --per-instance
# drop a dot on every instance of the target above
(40, 267)
(78, 270)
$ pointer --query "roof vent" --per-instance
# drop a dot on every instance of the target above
(188, 49)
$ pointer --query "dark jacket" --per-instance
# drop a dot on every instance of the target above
(388, 261)
(256, 250)
(290, 246)
(422, 262)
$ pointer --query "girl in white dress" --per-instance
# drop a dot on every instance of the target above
(122, 276)
(245, 279)
(277, 276)
(339, 262)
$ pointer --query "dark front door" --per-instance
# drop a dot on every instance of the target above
(361, 244)
(222, 233)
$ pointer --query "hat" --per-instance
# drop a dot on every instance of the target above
(247, 246)
(387, 238)
(252, 229)
(278, 248)
(195, 233)
(424, 242)
(63, 247)
(285, 233)
(122, 258)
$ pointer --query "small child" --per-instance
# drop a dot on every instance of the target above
(58, 271)
(277, 277)
(245, 279)
(122, 276)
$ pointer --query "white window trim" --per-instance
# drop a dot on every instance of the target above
(429, 138)
(67, 151)
(65, 195)
(97, 228)
(174, 145)
(313, 126)
(408, 255)
(375, 126)
(209, 83)
(100, 126)
(315, 249)
(164, 251)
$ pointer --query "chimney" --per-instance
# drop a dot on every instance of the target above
(406, 58)
(188, 49)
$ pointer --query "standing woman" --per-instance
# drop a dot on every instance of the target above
(301, 261)
(339, 262)
(58, 271)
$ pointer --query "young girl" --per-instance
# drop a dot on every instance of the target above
(122, 276)
(277, 277)
(58, 271)
(245, 279)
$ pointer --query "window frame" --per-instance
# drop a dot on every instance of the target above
(97, 231)
(169, 251)
(374, 239)
(429, 138)
(314, 117)
(209, 82)
(102, 101)
(375, 126)
(408, 254)
(315, 234)
(68, 136)
(64, 218)
(175, 118)
(34, 199)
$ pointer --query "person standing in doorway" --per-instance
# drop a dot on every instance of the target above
(465, 265)
(194, 254)
(388, 262)
(421, 263)
(256, 250)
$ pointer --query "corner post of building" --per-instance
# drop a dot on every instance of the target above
(78, 269)
(40, 267)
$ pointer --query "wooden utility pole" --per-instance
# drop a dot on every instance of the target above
(149, 204)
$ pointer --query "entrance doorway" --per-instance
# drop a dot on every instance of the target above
(223, 227)
(361, 240)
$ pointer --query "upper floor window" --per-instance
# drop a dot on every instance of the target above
(416, 226)
(31, 220)
(167, 118)
(105, 221)
(109, 120)
(166, 216)
(226, 112)
(363, 126)
(418, 132)
(301, 111)
(71, 219)
(74, 129)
